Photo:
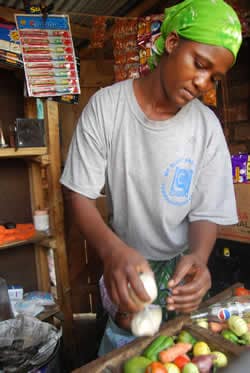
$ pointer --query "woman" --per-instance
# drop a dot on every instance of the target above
(165, 164)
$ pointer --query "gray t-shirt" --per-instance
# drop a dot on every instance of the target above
(159, 175)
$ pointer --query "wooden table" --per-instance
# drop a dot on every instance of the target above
(113, 361)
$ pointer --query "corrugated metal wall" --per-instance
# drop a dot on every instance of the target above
(98, 7)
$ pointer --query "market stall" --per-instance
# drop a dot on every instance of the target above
(115, 361)
(96, 50)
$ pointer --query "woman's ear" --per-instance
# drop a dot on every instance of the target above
(171, 42)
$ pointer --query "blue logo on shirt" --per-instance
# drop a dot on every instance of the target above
(178, 180)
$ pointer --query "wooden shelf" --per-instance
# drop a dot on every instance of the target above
(22, 152)
(49, 312)
(39, 236)
(10, 66)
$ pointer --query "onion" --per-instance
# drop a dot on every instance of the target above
(204, 362)
(147, 322)
(150, 286)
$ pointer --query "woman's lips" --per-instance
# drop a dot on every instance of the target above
(187, 94)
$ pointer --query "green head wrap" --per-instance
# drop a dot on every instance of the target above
(211, 22)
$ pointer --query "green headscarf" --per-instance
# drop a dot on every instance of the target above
(211, 22)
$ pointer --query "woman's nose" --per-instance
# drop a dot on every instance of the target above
(203, 82)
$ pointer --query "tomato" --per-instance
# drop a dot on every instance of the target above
(181, 360)
(156, 367)
(241, 291)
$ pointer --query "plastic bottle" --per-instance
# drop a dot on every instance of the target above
(223, 311)
(5, 306)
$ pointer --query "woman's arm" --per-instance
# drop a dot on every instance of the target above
(122, 263)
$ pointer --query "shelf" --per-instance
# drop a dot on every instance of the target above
(22, 152)
(39, 236)
(10, 66)
(49, 312)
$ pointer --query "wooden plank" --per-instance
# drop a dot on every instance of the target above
(57, 218)
(38, 202)
(48, 312)
(42, 268)
(22, 152)
(37, 195)
(30, 108)
(39, 236)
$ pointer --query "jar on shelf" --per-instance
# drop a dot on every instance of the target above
(41, 220)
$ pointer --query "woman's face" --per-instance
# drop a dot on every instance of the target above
(190, 69)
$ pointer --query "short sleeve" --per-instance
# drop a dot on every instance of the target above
(213, 197)
(85, 166)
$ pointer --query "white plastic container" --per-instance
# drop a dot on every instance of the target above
(41, 220)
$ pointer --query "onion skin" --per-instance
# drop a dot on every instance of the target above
(148, 280)
(204, 362)
(147, 322)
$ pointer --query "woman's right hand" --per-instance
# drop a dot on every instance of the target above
(122, 266)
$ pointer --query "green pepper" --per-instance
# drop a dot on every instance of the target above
(230, 336)
(160, 343)
(136, 364)
(186, 337)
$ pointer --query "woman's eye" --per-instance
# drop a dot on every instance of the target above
(199, 65)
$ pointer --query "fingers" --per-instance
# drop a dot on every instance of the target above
(184, 269)
(127, 291)
(184, 307)
(187, 297)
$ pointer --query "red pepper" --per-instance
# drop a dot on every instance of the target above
(241, 291)
(156, 367)
(181, 360)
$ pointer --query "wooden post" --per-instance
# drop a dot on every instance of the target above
(56, 213)
(37, 202)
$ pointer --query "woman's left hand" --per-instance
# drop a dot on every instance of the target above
(189, 284)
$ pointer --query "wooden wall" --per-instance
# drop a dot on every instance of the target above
(84, 266)
(235, 106)
(14, 188)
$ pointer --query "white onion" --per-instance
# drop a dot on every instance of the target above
(147, 322)
(150, 287)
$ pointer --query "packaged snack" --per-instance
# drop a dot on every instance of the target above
(40, 298)
(126, 53)
(240, 166)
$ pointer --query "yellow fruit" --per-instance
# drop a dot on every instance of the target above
(221, 359)
(172, 368)
(201, 348)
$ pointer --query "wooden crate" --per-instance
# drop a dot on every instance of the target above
(113, 361)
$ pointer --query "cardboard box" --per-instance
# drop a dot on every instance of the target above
(241, 231)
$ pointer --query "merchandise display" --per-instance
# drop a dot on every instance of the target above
(48, 54)
(149, 29)
(224, 310)
(10, 51)
(241, 168)
(125, 49)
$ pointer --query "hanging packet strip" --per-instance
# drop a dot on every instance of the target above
(48, 55)
(10, 51)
